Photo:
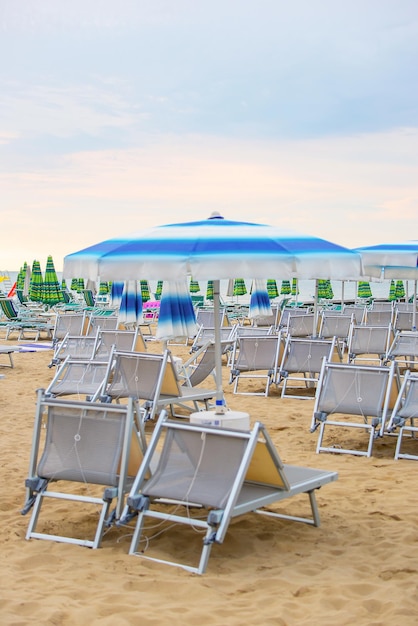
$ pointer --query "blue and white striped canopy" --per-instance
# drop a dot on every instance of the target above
(130, 310)
(214, 248)
(394, 260)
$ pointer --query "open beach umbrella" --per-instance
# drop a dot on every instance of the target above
(177, 318)
(397, 260)
(36, 283)
(130, 309)
(259, 302)
(214, 249)
(272, 289)
(51, 293)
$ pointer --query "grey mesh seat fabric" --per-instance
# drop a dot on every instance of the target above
(403, 320)
(378, 318)
(207, 333)
(152, 381)
(91, 444)
(357, 397)
(225, 473)
(301, 364)
(121, 340)
(336, 325)
(78, 377)
(255, 358)
(300, 325)
(76, 347)
(69, 324)
(404, 348)
(405, 412)
(368, 343)
(206, 317)
(102, 322)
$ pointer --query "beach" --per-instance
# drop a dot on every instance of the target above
(359, 567)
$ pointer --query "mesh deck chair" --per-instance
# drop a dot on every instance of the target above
(336, 325)
(368, 343)
(76, 347)
(152, 381)
(301, 363)
(358, 397)
(287, 311)
(404, 348)
(78, 377)
(404, 414)
(69, 324)
(120, 340)
(404, 320)
(300, 325)
(85, 443)
(255, 357)
(207, 333)
(226, 472)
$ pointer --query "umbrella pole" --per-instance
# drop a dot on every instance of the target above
(220, 404)
(342, 296)
(315, 321)
(414, 304)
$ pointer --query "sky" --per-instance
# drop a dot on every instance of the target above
(117, 116)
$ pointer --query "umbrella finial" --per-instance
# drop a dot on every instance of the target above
(215, 215)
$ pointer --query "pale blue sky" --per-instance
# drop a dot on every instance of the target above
(118, 115)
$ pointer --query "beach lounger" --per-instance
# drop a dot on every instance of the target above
(255, 358)
(85, 443)
(221, 474)
(358, 397)
(404, 416)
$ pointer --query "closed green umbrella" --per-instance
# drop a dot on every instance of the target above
(209, 290)
(399, 290)
(36, 283)
(392, 291)
(194, 286)
(104, 288)
(159, 290)
(51, 293)
(240, 288)
(363, 289)
(145, 291)
(80, 285)
(285, 288)
(323, 289)
(272, 290)
(295, 288)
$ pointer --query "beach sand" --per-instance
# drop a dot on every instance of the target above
(359, 567)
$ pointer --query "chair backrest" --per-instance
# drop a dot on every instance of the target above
(89, 297)
(369, 340)
(9, 308)
(404, 344)
(75, 377)
(378, 317)
(306, 355)
(367, 390)
(335, 326)
(77, 347)
(404, 320)
(257, 353)
(70, 323)
(286, 311)
(407, 407)
(301, 325)
(122, 340)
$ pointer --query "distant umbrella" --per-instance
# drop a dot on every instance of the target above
(194, 286)
(240, 288)
(159, 290)
(392, 291)
(272, 290)
(80, 285)
(295, 287)
(116, 290)
(51, 293)
(177, 317)
(104, 288)
(285, 288)
(36, 283)
(145, 291)
(130, 310)
(259, 301)
(209, 290)
(74, 284)
(399, 290)
(322, 289)
(363, 289)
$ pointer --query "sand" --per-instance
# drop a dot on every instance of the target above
(359, 567)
